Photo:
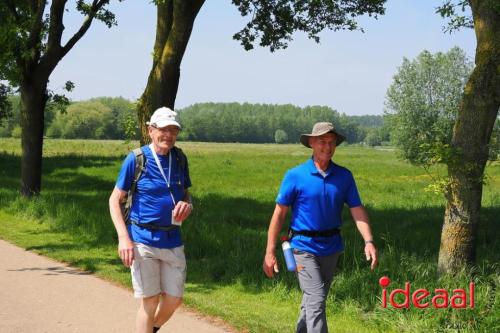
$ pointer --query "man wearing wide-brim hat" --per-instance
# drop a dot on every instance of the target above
(316, 191)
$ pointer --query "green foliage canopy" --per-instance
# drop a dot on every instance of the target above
(423, 101)
(98, 118)
(274, 21)
(29, 32)
(24, 36)
(455, 11)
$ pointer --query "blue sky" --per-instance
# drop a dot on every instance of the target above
(348, 71)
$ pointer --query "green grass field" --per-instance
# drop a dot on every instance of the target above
(234, 187)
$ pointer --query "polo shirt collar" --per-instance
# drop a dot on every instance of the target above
(313, 170)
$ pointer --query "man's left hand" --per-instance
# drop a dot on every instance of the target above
(182, 210)
(371, 253)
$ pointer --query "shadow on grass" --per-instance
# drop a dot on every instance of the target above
(11, 169)
(76, 182)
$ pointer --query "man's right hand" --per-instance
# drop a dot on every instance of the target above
(270, 265)
(126, 250)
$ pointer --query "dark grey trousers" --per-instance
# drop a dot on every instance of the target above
(315, 279)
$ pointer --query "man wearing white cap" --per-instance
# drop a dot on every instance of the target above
(149, 235)
(316, 191)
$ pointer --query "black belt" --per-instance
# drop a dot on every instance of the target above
(313, 233)
(154, 227)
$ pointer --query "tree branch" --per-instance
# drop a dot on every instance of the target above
(34, 37)
(55, 52)
(96, 6)
(197, 4)
(56, 29)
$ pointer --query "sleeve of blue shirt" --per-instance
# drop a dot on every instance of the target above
(352, 198)
(126, 175)
(287, 192)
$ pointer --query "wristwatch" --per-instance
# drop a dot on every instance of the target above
(370, 241)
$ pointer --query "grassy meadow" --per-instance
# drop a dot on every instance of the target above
(234, 187)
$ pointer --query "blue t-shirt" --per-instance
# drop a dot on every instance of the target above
(152, 202)
(317, 204)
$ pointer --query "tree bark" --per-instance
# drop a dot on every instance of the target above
(33, 101)
(175, 20)
(471, 135)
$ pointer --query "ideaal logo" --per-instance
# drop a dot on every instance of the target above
(440, 299)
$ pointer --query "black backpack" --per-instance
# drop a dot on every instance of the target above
(140, 166)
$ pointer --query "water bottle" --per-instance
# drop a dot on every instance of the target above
(288, 253)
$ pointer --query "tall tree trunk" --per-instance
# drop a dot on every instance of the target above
(471, 135)
(33, 101)
(175, 19)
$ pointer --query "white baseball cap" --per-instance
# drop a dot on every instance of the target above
(163, 117)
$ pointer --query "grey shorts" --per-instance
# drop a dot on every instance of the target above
(157, 270)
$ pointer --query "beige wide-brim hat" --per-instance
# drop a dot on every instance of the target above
(321, 129)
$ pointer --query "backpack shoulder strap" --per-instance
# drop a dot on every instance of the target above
(139, 167)
(181, 158)
(140, 163)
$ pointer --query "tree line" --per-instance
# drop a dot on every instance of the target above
(266, 123)
(96, 118)
(116, 118)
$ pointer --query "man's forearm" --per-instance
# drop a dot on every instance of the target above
(117, 215)
(272, 235)
(365, 230)
(360, 216)
(275, 227)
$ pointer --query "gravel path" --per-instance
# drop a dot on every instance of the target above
(38, 294)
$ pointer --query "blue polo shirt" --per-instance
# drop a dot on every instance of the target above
(152, 202)
(317, 204)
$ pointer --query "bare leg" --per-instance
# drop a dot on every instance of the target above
(168, 305)
(146, 314)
